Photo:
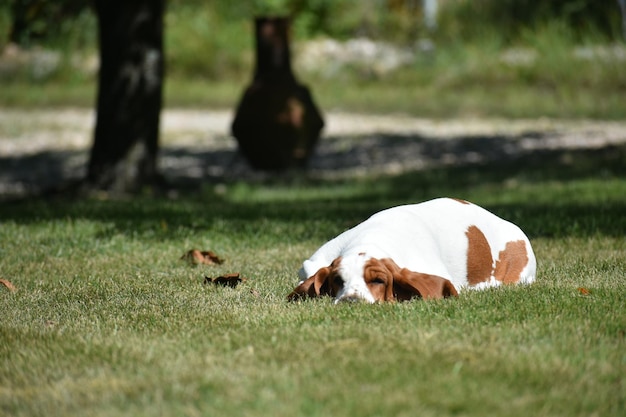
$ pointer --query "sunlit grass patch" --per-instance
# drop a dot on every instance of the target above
(107, 317)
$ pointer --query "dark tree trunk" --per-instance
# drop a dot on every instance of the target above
(124, 153)
(19, 26)
(277, 123)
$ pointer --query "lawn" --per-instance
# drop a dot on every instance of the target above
(106, 320)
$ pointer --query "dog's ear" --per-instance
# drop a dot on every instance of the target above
(314, 286)
(408, 284)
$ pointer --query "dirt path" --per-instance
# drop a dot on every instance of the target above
(41, 148)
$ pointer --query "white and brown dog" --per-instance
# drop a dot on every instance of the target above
(428, 250)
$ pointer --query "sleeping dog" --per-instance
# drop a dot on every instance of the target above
(428, 250)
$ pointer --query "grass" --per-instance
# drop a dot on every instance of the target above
(498, 93)
(106, 319)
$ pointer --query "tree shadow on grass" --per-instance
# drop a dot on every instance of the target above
(376, 171)
(27, 176)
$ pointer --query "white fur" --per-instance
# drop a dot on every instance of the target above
(429, 238)
(354, 287)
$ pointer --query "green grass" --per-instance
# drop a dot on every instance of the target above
(107, 320)
(422, 95)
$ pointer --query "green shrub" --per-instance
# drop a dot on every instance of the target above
(509, 19)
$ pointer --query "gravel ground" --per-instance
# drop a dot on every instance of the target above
(42, 148)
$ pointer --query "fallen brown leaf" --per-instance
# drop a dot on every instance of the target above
(226, 280)
(584, 291)
(196, 257)
(9, 286)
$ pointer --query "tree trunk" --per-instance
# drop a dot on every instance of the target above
(19, 26)
(124, 153)
(277, 123)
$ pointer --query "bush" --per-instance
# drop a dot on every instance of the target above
(34, 21)
(509, 19)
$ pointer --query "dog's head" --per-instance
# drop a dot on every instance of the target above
(363, 278)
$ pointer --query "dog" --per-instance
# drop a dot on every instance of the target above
(429, 250)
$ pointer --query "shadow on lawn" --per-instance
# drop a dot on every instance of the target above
(440, 168)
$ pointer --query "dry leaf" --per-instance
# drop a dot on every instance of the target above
(196, 257)
(584, 291)
(226, 280)
(8, 285)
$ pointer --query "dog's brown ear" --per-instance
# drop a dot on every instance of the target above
(314, 286)
(408, 284)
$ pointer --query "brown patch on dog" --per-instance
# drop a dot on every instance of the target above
(378, 277)
(479, 259)
(326, 281)
(511, 262)
(386, 281)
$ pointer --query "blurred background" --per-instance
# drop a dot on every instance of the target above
(435, 58)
